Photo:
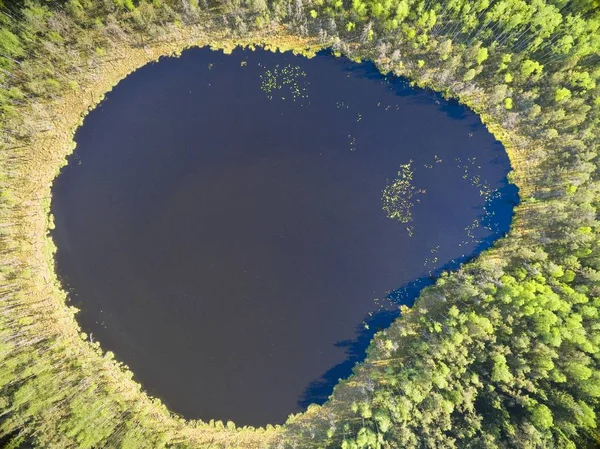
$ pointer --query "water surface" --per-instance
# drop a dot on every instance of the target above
(222, 229)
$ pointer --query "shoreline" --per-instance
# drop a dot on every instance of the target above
(37, 178)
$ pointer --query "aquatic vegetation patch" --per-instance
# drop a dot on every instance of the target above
(286, 82)
(400, 194)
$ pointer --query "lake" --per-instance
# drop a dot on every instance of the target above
(236, 227)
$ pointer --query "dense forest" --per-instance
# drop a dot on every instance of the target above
(503, 353)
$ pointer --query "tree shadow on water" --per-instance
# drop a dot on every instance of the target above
(320, 389)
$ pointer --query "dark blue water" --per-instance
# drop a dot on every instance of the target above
(223, 230)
